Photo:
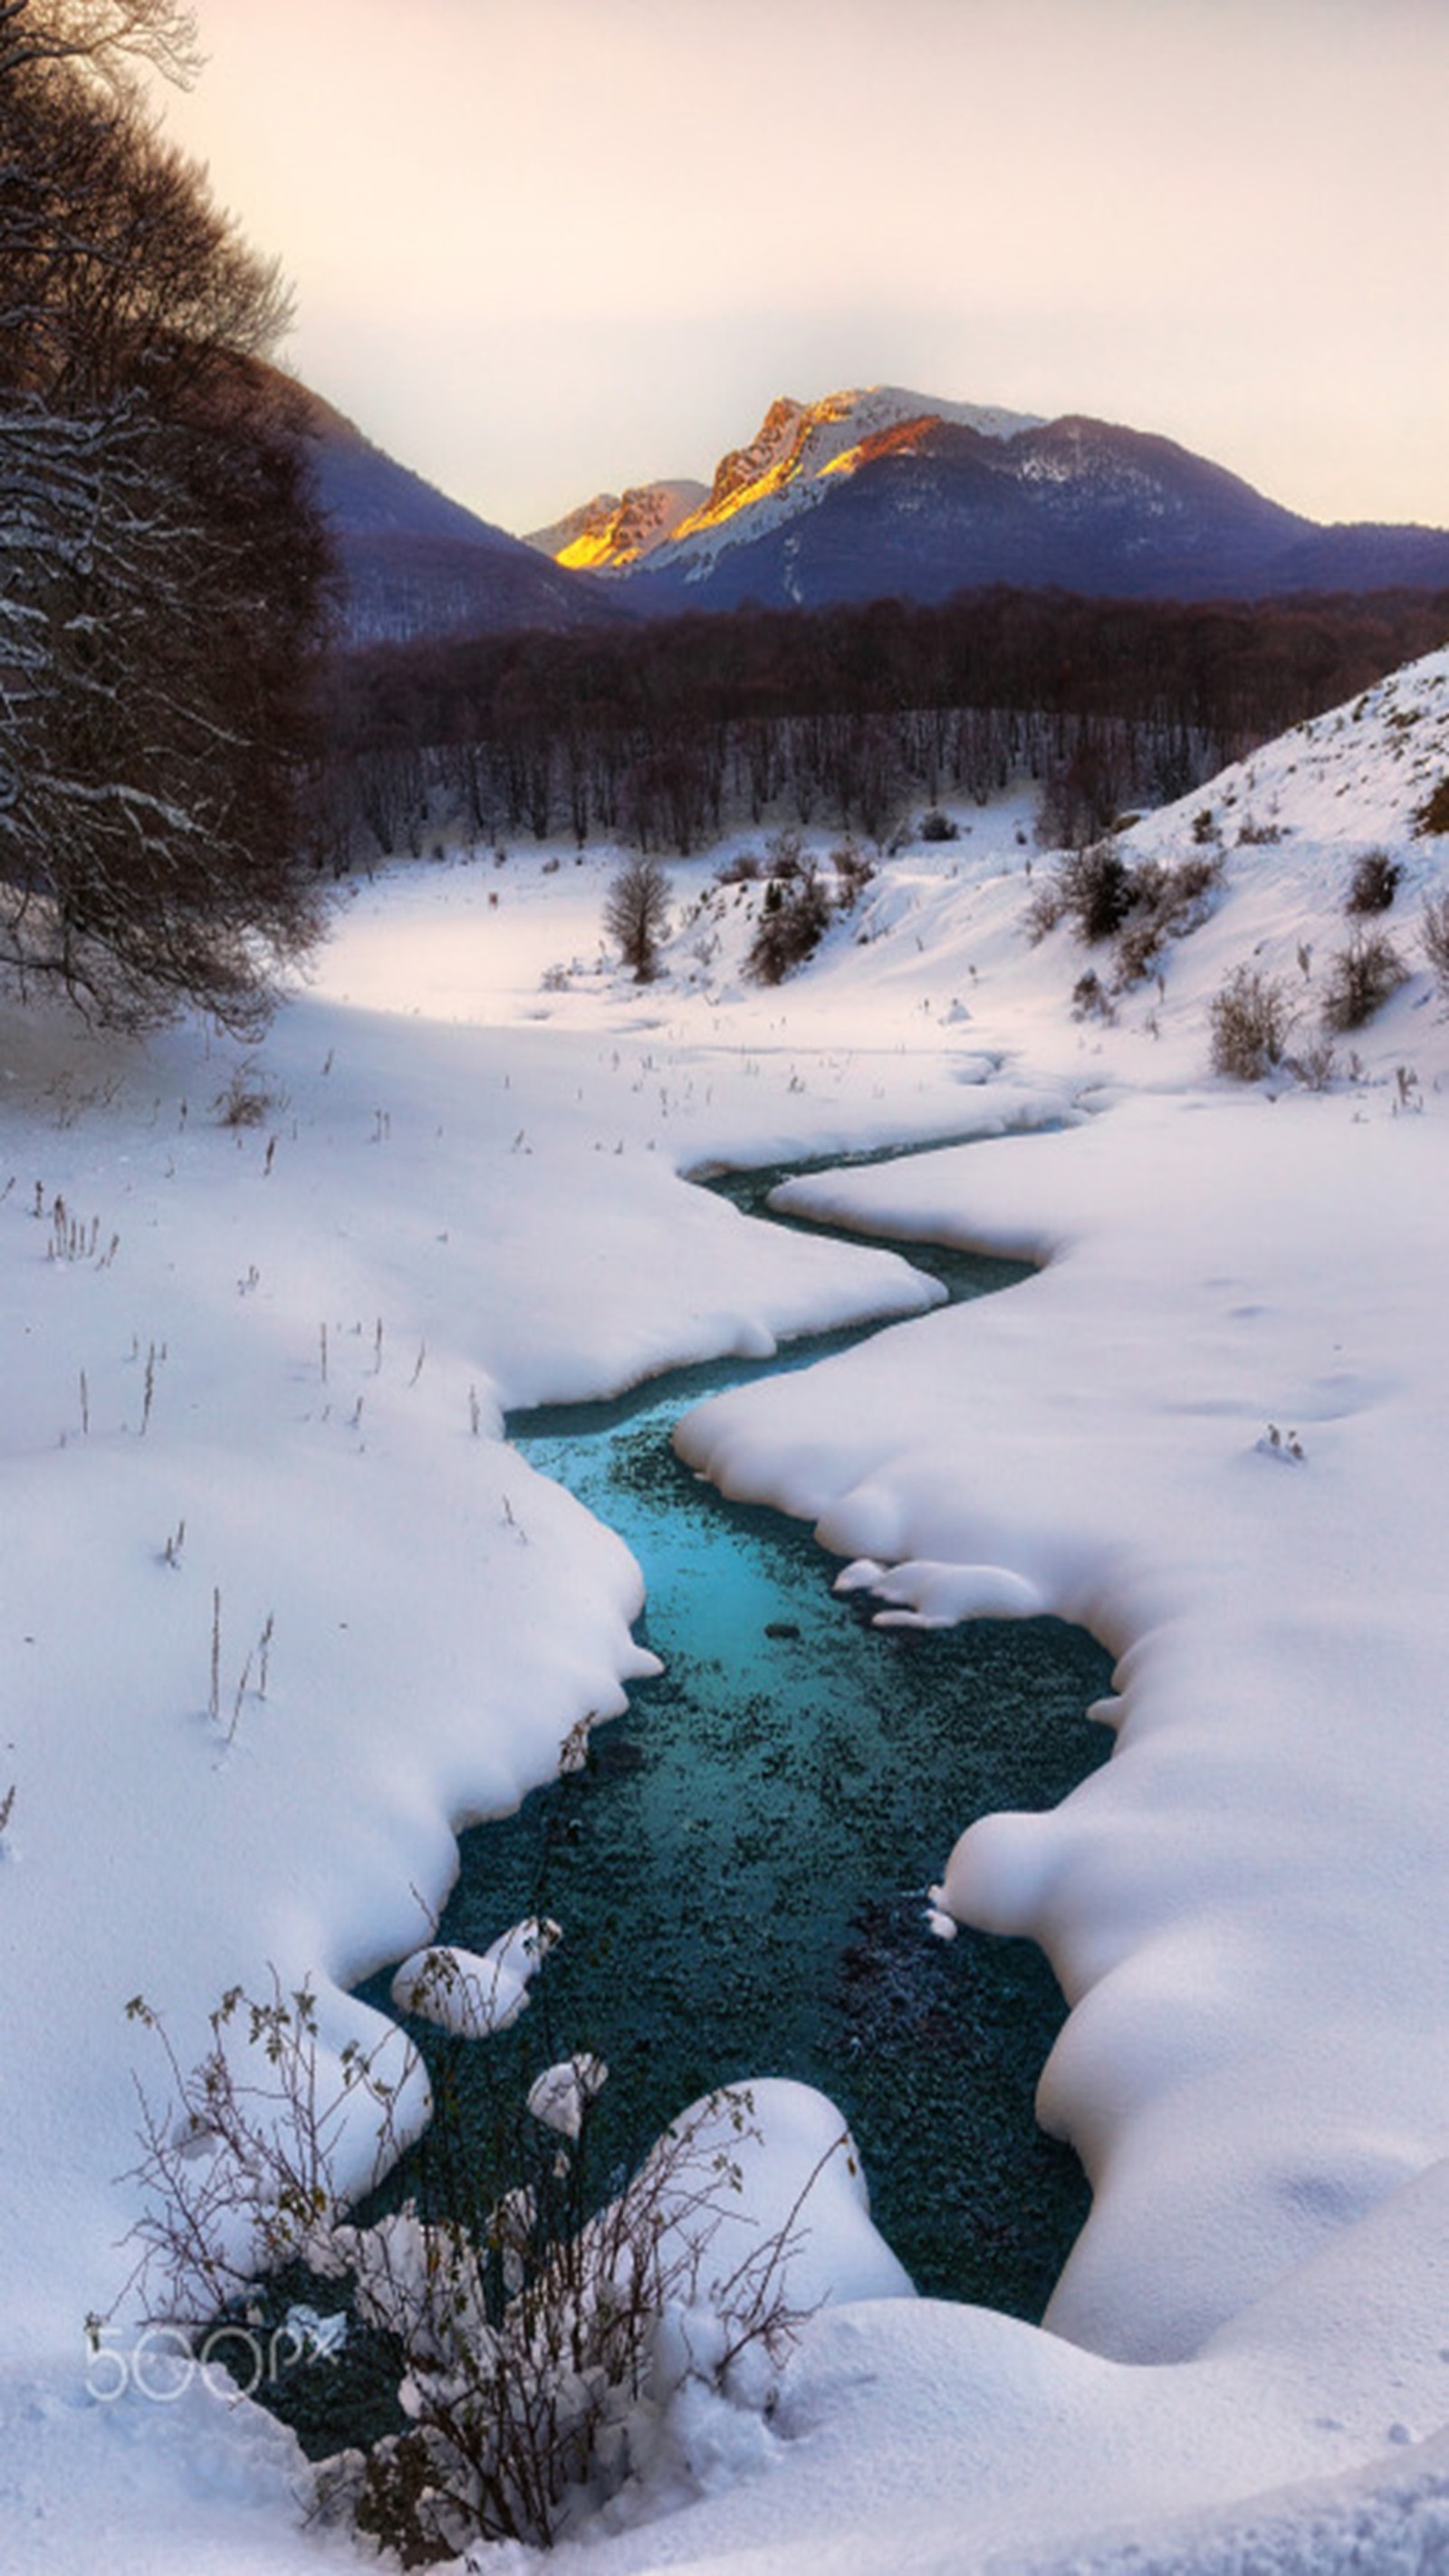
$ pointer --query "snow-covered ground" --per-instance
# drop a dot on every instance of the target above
(255, 1382)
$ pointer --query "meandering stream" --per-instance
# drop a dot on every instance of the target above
(740, 1873)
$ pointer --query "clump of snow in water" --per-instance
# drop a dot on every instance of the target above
(274, 1410)
(473, 1993)
(928, 1595)
(560, 2096)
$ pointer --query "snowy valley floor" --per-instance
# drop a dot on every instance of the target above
(256, 1373)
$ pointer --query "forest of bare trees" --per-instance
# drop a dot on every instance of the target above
(163, 571)
(661, 734)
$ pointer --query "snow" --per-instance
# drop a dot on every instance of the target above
(272, 1414)
(561, 2094)
(784, 468)
(470, 1994)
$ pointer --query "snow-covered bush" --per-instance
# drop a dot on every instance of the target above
(541, 2329)
(1249, 1018)
(1360, 979)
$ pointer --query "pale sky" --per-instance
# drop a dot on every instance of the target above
(543, 248)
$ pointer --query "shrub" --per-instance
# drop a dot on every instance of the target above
(246, 1101)
(1091, 999)
(853, 870)
(1433, 814)
(793, 920)
(1314, 1065)
(1374, 883)
(741, 870)
(1045, 909)
(1435, 925)
(936, 826)
(1249, 1018)
(535, 2334)
(1097, 889)
(1140, 942)
(1360, 979)
(1141, 908)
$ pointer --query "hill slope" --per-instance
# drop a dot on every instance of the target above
(417, 563)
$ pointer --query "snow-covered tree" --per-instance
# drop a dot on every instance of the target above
(162, 564)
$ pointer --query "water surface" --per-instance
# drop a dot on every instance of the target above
(740, 1872)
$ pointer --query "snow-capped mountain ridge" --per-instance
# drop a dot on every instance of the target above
(759, 486)
(880, 492)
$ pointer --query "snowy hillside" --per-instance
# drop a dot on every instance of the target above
(264, 1315)
(1362, 771)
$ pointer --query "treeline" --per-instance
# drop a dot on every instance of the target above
(663, 733)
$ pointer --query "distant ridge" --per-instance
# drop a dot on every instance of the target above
(416, 563)
(879, 492)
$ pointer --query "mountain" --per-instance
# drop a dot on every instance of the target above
(613, 532)
(880, 492)
(416, 563)
(684, 526)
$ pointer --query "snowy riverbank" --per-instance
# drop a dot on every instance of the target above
(460, 1191)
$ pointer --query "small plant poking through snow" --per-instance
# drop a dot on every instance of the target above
(1091, 999)
(1315, 1064)
(246, 1101)
(1281, 1444)
(541, 2339)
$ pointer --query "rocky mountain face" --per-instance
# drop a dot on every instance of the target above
(614, 531)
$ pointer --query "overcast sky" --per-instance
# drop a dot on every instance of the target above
(543, 248)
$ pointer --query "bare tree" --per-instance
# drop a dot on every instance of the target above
(163, 568)
(100, 34)
(636, 914)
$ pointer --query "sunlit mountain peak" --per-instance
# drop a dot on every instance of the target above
(777, 473)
